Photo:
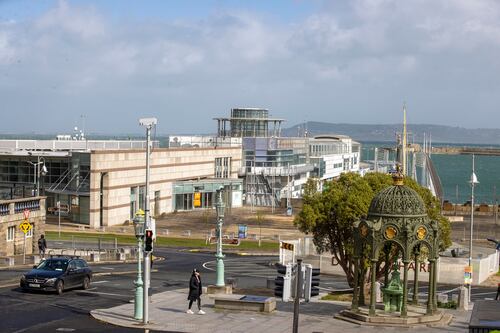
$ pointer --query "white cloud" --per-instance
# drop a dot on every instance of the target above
(82, 22)
(384, 50)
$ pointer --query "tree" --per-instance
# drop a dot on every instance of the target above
(259, 217)
(329, 215)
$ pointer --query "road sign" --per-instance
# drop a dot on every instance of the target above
(287, 246)
(468, 275)
(25, 226)
(26, 213)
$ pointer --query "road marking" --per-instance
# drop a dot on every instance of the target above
(101, 293)
(243, 271)
(97, 282)
(481, 294)
(107, 267)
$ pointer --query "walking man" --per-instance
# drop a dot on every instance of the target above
(195, 292)
(498, 292)
(42, 246)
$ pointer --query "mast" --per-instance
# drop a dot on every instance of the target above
(404, 140)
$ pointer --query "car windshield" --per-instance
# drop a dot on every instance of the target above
(53, 265)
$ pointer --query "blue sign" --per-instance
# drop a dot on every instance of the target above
(242, 230)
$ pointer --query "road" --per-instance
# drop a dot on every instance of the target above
(113, 285)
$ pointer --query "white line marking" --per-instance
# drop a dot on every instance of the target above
(97, 282)
(480, 294)
(107, 267)
(101, 293)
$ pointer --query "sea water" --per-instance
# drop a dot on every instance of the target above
(455, 172)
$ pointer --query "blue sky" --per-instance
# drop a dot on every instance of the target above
(187, 62)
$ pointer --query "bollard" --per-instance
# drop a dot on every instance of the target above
(36, 259)
(9, 261)
(443, 298)
(121, 256)
(463, 299)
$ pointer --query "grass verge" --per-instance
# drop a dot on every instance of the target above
(337, 297)
(245, 245)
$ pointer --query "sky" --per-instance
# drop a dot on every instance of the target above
(109, 63)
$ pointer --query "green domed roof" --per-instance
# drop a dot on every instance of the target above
(397, 201)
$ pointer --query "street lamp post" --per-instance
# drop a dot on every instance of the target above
(473, 181)
(37, 171)
(149, 123)
(220, 220)
(139, 234)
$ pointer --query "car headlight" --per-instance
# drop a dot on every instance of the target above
(51, 281)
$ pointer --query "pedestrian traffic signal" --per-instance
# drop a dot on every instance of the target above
(311, 286)
(282, 283)
(148, 243)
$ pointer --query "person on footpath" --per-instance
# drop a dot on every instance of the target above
(42, 246)
(195, 292)
(498, 292)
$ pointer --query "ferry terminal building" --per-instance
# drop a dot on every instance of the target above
(102, 183)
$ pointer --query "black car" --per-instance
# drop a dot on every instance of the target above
(57, 274)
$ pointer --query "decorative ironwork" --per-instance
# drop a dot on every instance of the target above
(363, 230)
(421, 232)
(390, 232)
(397, 215)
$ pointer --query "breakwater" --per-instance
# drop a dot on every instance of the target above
(455, 150)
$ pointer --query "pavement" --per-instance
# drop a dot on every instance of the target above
(167, 312)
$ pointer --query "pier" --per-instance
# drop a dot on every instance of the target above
(487, 151)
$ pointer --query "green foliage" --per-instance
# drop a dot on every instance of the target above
(329, 215)
(447, 305)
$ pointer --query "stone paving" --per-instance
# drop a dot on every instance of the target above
(168, 313)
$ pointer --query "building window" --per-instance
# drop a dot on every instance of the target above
(10, 233)
(30, 232)
(157, 203)
(137, 199)
(222, 167)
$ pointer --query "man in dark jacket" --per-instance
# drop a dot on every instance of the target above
(42, 246)
(195, 291)
(498, 292)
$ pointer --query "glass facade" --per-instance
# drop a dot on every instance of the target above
(185, 193)
(17, 175)
(247, 123)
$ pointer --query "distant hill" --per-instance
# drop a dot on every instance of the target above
(387, 132)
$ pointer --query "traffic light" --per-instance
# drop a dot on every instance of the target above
(282, 283)
(311, 285)
(148, 243)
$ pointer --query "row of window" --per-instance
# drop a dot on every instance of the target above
(326, 149)
(11, 233)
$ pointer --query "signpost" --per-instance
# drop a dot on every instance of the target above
(468, 275)
(59, 213)
(25, 227)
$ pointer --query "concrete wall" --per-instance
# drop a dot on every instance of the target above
(125, 169)
(14, 219)
(449, 270)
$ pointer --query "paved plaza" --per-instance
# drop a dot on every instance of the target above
(168, 313)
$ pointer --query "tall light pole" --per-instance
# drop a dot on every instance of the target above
(37, 171)
(149, 123)
(139, 234)
(473, 181)
(219, 205)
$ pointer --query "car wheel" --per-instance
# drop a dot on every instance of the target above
(59, 287)
(86, 283)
